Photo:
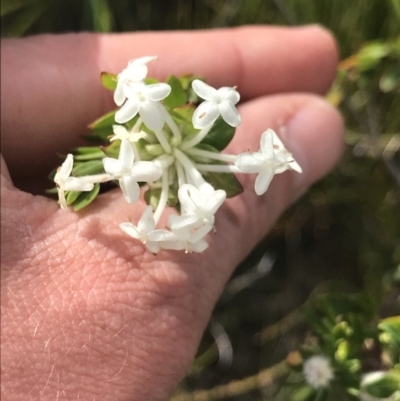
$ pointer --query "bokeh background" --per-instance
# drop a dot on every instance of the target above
(334, 257)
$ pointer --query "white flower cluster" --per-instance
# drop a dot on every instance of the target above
(317, 371)
(176, 159)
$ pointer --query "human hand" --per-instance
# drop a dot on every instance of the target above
(88, 314)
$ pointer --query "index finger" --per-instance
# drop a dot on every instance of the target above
(51, 89)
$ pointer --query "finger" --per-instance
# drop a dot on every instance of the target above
(51, 89)
(142, 315)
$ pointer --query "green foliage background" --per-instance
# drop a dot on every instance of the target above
(342, 237)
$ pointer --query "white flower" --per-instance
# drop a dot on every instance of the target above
(141, 232)
(317, 371)
(143, 99)
(203, 202)
(217, 102)
(136, 71)
(129, 173)
(183, 234)
(272, 158)
(66, 183)
(120, 133)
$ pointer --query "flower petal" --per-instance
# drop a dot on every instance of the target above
(205, 115)
(126, 155)
(119, 95)
(215, 201)
(263, 180)
(76, 184)
(229, 113)
(267, 144)
(203, 90)
(146, 171)
(157, 92)
(146, 222)
(130, 229)
(249, 162)
(112, 166)
(182, 225)
(130, 188)
(127, 111)
(151, 115)
(230, 94)
(295, 166)
(199, 247)
(162, 235)
(185, 199)
(152, 247)
(200, 234)
(65, 170)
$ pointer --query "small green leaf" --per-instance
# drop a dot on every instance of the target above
(390, 80)
(186, 82)
(220, 135)
(177, 97)
(384, 386)
(226, 181)
(342, 351)
(152, 197)
(85, 198)
(87, 153)
(303, 393)
(112, 150)
(108, 80)
(371, 55)
(391, 327)
(72, 196)
(101, 129)
(88, 168)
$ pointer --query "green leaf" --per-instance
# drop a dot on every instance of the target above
(371, 55)
(88, 168)
(101, 129)
(87, 153)
(390, 80)
(342, 351)
(109, 81)
(112, 150)
(183, 117)
(226, 181)
(220, 135)
(102, 15)
(303, 393)
(152, 197)
(186, 82)
(177, 97)
(86, 198)
(384, 386)
(8, 6)
(24, 19)
(72, 196)
(391, 327)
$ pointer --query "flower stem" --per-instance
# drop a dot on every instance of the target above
(163, 140)
(190, 169)
(211, 155)
(163, 198)
(180, 173)
(197, 138)
(218, 168)
(171, 124)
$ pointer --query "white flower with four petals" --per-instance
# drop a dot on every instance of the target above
(272, 158)
(136, 71)
(144, 99)
(65, 182)
(217, 102)
(203, 202)
(144, 227)
(129, 173)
